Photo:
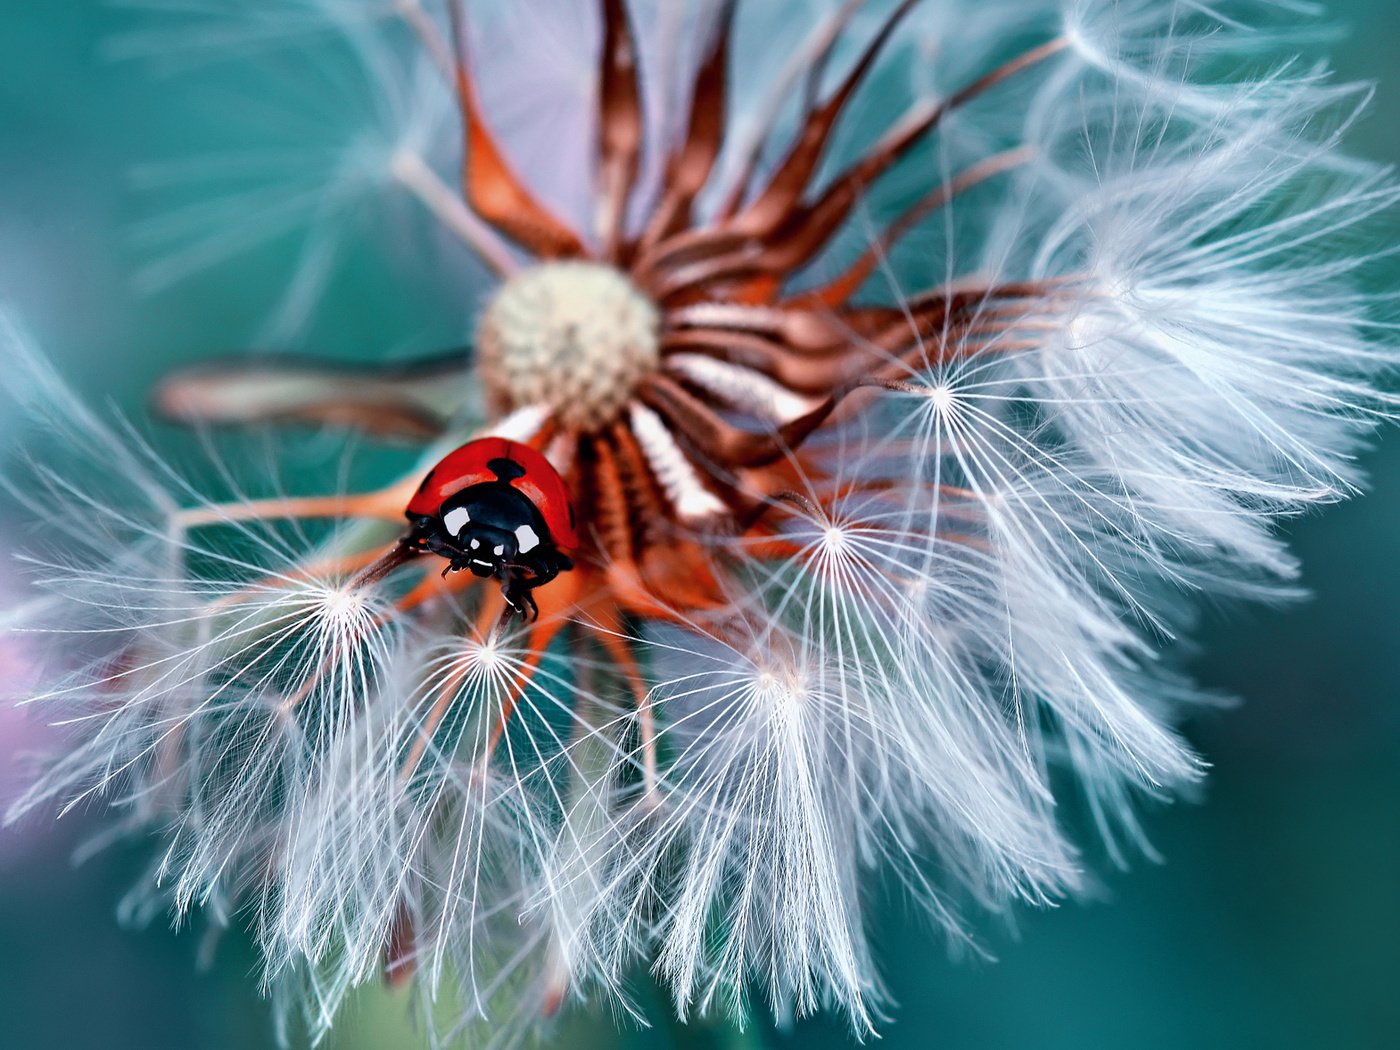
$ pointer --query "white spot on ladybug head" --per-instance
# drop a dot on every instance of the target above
(525, 539)
(455, 519)
(576, 337)
(476, 544)
(500, 550)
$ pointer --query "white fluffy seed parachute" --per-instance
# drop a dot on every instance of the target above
(1114, 318)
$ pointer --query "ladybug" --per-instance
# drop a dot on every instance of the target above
(499, 509)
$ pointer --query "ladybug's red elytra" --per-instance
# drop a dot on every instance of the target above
(499, 509)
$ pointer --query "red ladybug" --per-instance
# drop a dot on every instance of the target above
(500, 509)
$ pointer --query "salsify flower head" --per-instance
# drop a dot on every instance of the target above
(908, 367)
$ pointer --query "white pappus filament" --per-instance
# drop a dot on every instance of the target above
(692, 500)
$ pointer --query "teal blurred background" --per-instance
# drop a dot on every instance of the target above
(1274, 920)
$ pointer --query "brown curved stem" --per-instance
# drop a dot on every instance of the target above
(689, 167)
(619, 125)
(720, 441)
(492, 188)
(803, 375)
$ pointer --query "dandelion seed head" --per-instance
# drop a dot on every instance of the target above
(906, 387)
(576, 337)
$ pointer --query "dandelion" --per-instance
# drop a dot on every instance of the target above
(909, 368)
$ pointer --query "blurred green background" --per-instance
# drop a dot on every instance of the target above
(1274, 920)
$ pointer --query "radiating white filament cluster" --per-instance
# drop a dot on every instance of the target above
(957, 622)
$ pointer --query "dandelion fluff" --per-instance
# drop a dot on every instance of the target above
(980, 339)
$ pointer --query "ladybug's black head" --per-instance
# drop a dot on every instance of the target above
(487, 528)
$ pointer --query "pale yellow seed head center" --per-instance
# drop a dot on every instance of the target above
(576, 337)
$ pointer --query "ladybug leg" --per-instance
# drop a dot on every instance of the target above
(423, 538)
(516, 590)
(536, 570)
(545, 570)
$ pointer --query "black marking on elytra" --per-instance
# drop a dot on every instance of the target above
(506, 469)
